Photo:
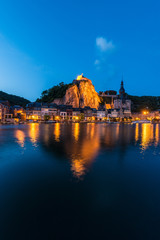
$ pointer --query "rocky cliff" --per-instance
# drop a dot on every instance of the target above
(81, 94)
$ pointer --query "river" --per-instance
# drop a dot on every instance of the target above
(80, 181)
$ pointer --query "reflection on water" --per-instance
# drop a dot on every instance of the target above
(81, 143)
(147, 134)
(20, 137)
(34, 133)
(57, 131)
(94, 181)
(137, 132)
(76, 131)
(157, 135)
(46, 134)
(83, 153)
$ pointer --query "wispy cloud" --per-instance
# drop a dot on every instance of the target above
(104, 49)
(97, 62)
(103, 44)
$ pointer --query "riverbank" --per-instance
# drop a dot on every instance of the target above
(82, 122)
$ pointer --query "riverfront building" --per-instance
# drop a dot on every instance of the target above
(122, 104)
(118, 105)
(115, 107)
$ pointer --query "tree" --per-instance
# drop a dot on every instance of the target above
(46, 118)
(57, 91)
(13, 99)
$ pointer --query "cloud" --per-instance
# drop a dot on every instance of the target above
(103, 45)
(97, 62)
(104, 49)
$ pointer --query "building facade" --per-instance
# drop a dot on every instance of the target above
(122, 104)
(4, 110)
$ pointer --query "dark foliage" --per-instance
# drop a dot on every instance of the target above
(13, 99)
(138, 103)
(54, 92)
(144, 102)
(111, 92)
(105, 100)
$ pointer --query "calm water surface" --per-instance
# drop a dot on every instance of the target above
(80, 181)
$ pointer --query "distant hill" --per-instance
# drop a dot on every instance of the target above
(140, 103)
(13, 99)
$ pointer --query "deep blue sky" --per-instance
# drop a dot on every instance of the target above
(45, 42)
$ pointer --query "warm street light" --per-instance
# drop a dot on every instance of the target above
(145, 112)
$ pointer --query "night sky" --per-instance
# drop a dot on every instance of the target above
(45, 42)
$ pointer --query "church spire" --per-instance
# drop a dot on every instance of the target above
(122, 80)
(122, 90)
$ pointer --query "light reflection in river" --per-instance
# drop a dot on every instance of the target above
(156, 134)
(20, 137)
(34, 133)
(137, 132)
(57, 131)
(103, 177)
(81, 143)
(147, 135)
(83, 153)
(76, 131)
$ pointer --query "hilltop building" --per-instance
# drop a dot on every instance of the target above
(122, 103)
(81, 78)
(118, 105)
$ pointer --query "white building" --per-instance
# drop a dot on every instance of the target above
(63, 115)
(49, 110)
(101, 114)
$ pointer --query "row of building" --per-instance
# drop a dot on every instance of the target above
(43, 112)
(120, 107)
